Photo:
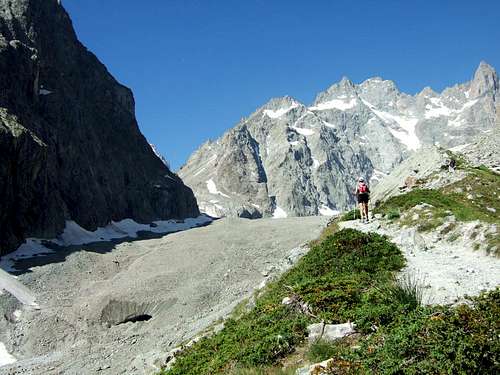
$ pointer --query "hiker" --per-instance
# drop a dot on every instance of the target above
(363, 195)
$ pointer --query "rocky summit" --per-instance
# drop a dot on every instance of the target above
(290, 159)
(70, 145)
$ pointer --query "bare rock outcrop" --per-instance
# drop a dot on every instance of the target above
(70, 145)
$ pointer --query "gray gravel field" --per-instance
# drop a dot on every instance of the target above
(176, 286)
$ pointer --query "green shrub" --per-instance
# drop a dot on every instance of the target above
(332, 278)
(407, 291)
(393, 214)
(438, 340)
(351, 215)
(321, 351)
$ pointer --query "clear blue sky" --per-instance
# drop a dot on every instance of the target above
(197, 66)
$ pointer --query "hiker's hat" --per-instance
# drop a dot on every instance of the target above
(361, 179)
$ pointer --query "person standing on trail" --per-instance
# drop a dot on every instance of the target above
(363, 195)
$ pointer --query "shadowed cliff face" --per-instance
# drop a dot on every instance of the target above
(70, 147)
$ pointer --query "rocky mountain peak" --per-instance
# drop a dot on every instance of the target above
(277, 107)
(343, 89)
(485, 80)
(427, 92)
(378, 91)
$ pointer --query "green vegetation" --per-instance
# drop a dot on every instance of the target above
(407, 292)
(476, 197)
(472, 198)
(351, 215)
(341, 279)
(350, 276)
(393, 214)
(263, 371)
(431, 340)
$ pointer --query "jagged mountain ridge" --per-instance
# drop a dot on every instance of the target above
(70, 144)
(291, 159)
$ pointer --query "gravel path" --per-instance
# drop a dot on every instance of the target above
(448, 270)
(175, 285)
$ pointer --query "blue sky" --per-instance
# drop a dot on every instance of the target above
(197, 66)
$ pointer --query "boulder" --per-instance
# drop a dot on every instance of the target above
(329, 332)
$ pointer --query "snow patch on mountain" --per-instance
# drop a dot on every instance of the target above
(212, 189)
(339, 104)
(279, 213)
(74, 234)
(5, 357)
(279, 112)
(303, 131)
(406, 131)
(441, 110)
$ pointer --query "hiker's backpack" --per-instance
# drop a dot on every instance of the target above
(362, 188)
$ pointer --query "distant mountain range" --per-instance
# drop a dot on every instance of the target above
(290, 159)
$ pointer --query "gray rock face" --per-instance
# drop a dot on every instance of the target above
(291, 159)
(69, 142)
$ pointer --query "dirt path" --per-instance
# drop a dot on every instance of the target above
(175, 286)
(448, 271)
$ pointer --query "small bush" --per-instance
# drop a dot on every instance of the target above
(321, 351)
(351, 215)
(407, 291)
(393, 214)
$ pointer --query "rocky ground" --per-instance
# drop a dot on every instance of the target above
(174, 286)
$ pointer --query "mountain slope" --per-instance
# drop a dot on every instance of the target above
(69, 140)
(291, 159)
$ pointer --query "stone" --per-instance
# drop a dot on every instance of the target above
(329, 332)
(410, 182)
(324, 367)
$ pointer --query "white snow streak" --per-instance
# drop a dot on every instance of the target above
(329, 124)
(327, 211)
(316, 163)
(303, 131)
(442, 110)
(341, 105)
(279, 112)
(279, 213)
(406, 132)
(45, 92)
(212, 189)
(5, 357)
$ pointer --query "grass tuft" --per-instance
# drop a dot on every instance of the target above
(407, 291)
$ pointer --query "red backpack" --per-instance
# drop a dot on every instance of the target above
(362, 188)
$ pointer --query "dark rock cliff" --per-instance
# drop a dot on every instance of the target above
(70, 147)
